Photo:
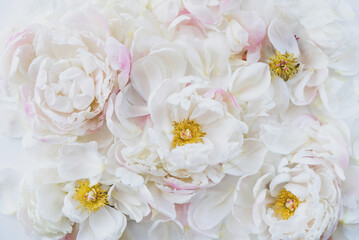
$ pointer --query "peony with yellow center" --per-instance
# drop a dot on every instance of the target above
(285, 204)
(90, 198)
(186, 132)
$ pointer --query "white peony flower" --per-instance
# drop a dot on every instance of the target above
(98, 203)
(41, 201)
(89, 206)
(296, 194)
(68, 73)
(289, 201)
(298, 61)
(195, 131)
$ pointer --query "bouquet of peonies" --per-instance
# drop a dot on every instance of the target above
(183, 119)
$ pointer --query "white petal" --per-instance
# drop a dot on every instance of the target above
(50, 201)
(249, 160)
(150, 71)
(282, 37)
(79, 161)
(163, 229)
(107, 222)
(85, 232)
(282, 140)
(210, 211)
(311, 55)
(72, 210)
(251, 81)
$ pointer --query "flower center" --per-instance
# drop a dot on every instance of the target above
(90, 198)
(185, 132)
(284, 65)
(285, 204)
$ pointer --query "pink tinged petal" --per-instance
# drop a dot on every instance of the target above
(181, 211)
(282, 37)
(225, 5)
(201, 11)
(255, 26)
(185, 18)
(221, 95)
(79, 161)
(120, 60)
(107, 222)
(20, 38)
(237, 36)
(176, 186)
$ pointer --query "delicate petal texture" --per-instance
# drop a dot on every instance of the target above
(282, 37)
(79, 161)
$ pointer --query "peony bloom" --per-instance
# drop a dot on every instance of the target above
(97, 203)
(296, 194)
(189, 138)
(88, 205)
(40, 204)
(195, 130)
(68, 73)
(298, 61)
(289, 201)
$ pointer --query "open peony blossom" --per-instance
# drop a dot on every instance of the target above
(299, 62)
(68, 75)
(195, 130)
(289, 201)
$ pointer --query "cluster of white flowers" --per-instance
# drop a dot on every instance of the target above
(184, 119)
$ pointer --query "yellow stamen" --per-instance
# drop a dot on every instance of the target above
(284, 65)
(186, 132)
(90, 198)
(285, 204)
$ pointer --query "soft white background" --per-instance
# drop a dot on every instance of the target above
(16, 12)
